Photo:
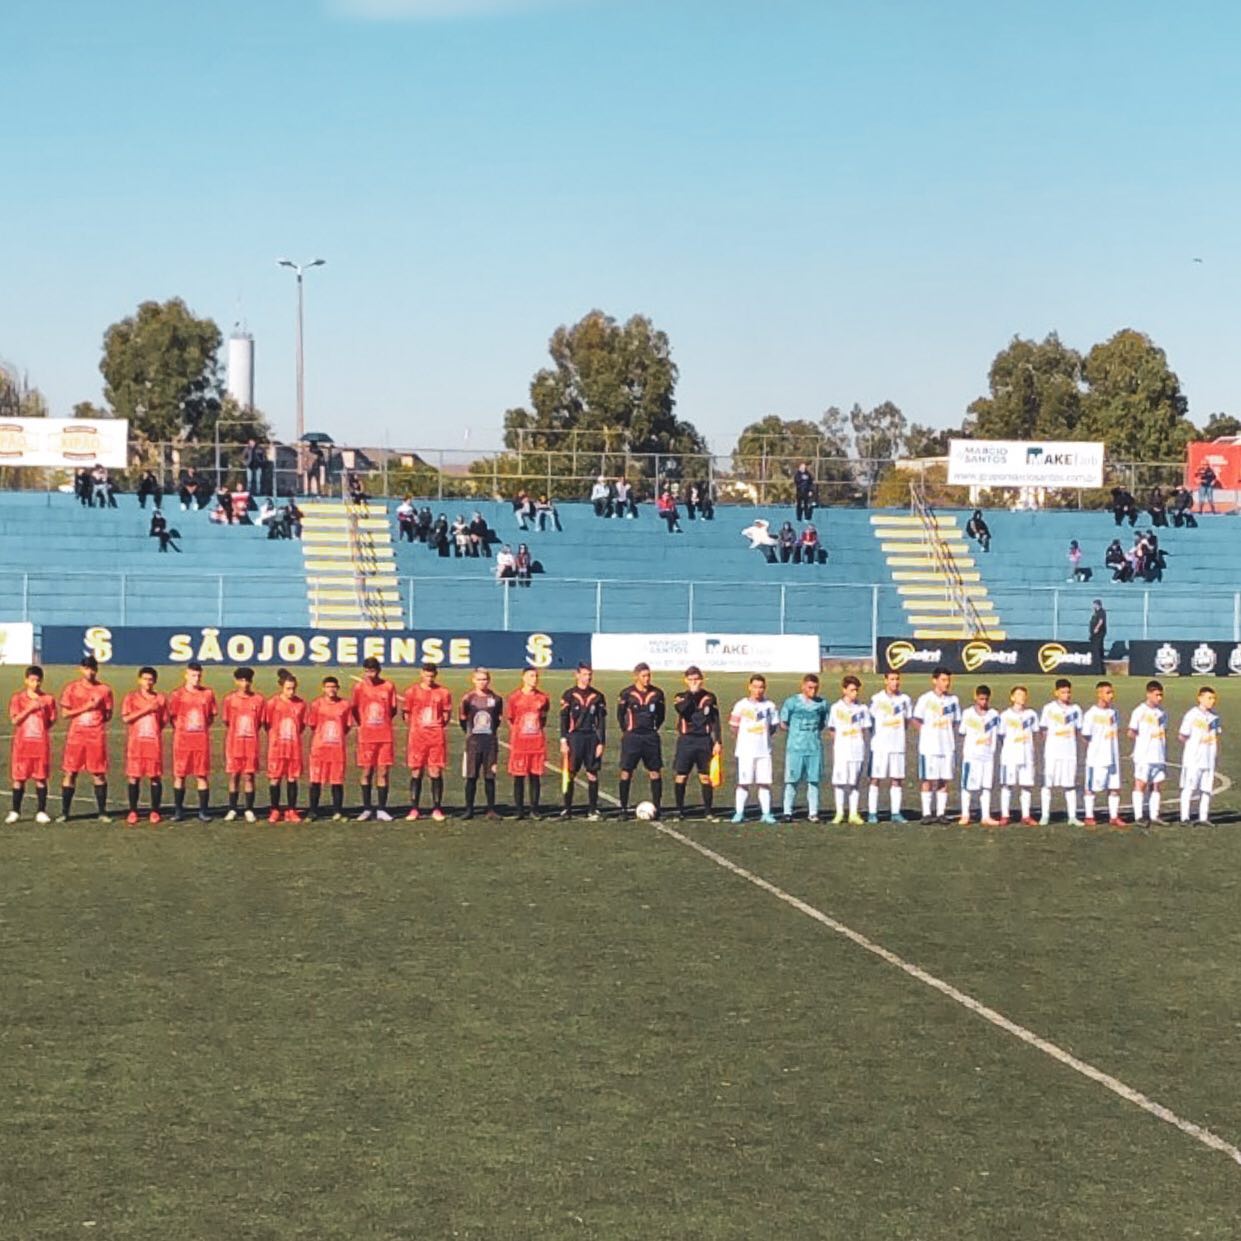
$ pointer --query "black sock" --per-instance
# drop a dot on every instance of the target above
(471, 790)
(415, 791)
(316, 791)
(366, 794)
(536, 792)
(623, 792)
(101, 798)
(178, 797)
(233, 795)
(157, 794)
(679, 789)
(437, 792)
(203, 795)
(657, 790)
(592, 796)
(133, 796)
(519, 793)
(338, 798)
(291, 791)
(568, 793)
(274, 794)
(249, 799)
(708, 797)
(383, 797)
(66, 799)
(17, 799)
(489, 787)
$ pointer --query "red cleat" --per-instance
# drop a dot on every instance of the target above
(155, 817)
(1118, 822)
(438, 815)
(414, 815)
(131, 818)
(1030, 821)
(1089, 821)
(1004, 820)
(291, 815)
(274, 817)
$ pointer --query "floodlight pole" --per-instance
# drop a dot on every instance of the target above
(300, 269)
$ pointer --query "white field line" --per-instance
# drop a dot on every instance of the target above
(1106, 1080)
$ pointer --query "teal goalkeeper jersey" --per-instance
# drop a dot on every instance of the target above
(805, 719)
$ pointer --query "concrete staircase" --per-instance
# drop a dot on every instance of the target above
(350, 566)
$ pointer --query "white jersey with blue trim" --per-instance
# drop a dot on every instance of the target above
(1060, 722)
(1017, 729)
(981, 730)
(1150, 743)
(1200, 731)
(939, 715)
(1101, 728)
(890, 715)
(848, 722)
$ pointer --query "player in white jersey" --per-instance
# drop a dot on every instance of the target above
(753, 720)
(848, 722)
(1061, 722)
(1148, 726)
(936, 715)
(890, 711)
(980, 729)
(1101, 728)
(1018, 726)
(1200, 733)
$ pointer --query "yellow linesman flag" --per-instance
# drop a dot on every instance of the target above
(715, 775)
(565, 778)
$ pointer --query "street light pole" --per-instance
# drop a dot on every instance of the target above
(300, 269)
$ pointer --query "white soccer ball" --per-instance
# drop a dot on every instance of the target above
(645, 810)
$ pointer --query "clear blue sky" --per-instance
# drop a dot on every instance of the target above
(819, 201)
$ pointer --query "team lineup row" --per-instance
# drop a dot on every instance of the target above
(868, 744)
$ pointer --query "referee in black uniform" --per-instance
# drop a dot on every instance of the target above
(698, 740)
(640, 712)
(583, 733)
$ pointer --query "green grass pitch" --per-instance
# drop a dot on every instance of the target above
(545, 1030)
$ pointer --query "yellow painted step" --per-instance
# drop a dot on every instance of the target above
(928, 561)
(985, 619)
(333, 594)
(917, 575)
(957, 635)
(940, 591)
(957, 546)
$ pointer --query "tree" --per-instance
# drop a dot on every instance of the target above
(161, 371)
(924, 441)
(17, 398)
(879, 436)
(1220, 425)
(769, 451)
(1035, 393)
(1134, 402)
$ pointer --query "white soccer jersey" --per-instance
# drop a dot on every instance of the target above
(890, 714)
(1017, 730)
(981, 729)
(1101, 728)
(939, 716)
(1200, 731)
(848, 722)
(1150, 745)
(1060, 725)
(754, 722)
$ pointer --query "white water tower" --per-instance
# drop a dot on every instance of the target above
(240, 381)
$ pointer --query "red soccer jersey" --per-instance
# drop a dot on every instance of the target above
(32, 737)
(243, 718)
(428, 710)
(145, 735)
(330, 722)
(526, 715)
(191, 712)
(374, 705)
(97, 698)
(285, 718)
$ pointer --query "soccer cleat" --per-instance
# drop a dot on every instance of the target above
(1044, 820)
(964, 820)
(872, 818)
(204, 816)
(155, 817)
(414, 815)
(1029, 821)
(43, 817)
(838, 818)
(1153, 822)
(492, 814)
(1003, 820)
(438, 815)
(1074, 822)
(594, 817)
(1204, 822)
(568, 814)
(273, 816)
(178, 816)
(1090, 821)
(131, 818)
(338, 817)
(1117, 822)
(737, 818)
(811, 818)
(383, 816)
(11, 817)
(899, 818)
(989, 822)
(104, 817)
(311, 816)
(231, 816)
(856, 820)
(710, 818)
(767, 818)
(251, 817)
(291, 815)
(365, 815)
(786, 818)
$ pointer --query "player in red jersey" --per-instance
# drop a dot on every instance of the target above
(374, 706)
(144, 713)
(87, 705)
(192, 710)
(428, 709)
(242, 713)
(32, 712)
(526, 710)
(330, 718)
(285, 718)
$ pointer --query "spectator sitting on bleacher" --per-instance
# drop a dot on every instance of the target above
(192, 489)
(460, 537)
(102, 490)
(1151, 557)
(440, 538)
(294, 518)
(787, 538)
(159, 530)
(759, 534)
(505, 564)
(544, 512)
(223, 510)
(601, 497)
(1157, 506)
(666, 506)
(480, 536)
(1124, 505)
(1183, 509)
(148, 485)
(267, 514)
(1116, 560)
(240, 501)
(523, 509)
(357, 492)
(977, 528)
(1077, 571)
(406, 517)
(808, 546)
(625, 505)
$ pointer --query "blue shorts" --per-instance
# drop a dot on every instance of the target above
(799, 766)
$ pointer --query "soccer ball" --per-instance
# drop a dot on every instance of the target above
(645, 810)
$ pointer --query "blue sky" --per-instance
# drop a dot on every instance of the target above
(820, 202)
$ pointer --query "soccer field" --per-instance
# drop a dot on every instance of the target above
(572, 1030)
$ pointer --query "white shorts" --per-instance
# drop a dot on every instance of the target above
(1102, 779)
(978, 777)
(847, 772)
(887, 766)
(1017, 777)
(1061, 774)
(1198, 779)
(755, 769)
(1150, 773)
(932, 767)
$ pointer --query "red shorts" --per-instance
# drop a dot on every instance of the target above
(327, 768)
(284, 766)
(30, 767)
(191, 760)
(527, 762)
(85, 754)
(427, 749)
(374, 754)
(144, 766)
(241, 759)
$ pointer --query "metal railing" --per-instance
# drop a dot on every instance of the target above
(946, 563)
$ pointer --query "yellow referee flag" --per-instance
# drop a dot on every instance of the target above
(715, 775)
(565, 778)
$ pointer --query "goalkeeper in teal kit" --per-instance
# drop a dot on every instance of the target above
(803, 717)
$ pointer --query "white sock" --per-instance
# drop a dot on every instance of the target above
(855, 798)
(1187, 800)
(790, 792)
(1070, 802)
(840, 798)
(967, 804)
(926, 805)
(1006, 801)
(741, 798)
(812, 799)
(1027, 802)
(1154, 803)
(941, 802)
(984, 799)
(1137, 806)
(1045, 802)
(872, 799)
(1204, 808)
(1113, 805)
(894, 798)
(764, 800)
(1089, 805)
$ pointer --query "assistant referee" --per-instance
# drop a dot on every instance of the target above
(583, 734)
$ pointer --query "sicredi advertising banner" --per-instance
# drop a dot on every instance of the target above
(68, 442)
(1024, 463)
(137, 645)
(16, 642)
(1185, 659)
(1020, 655)
(732, 652)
